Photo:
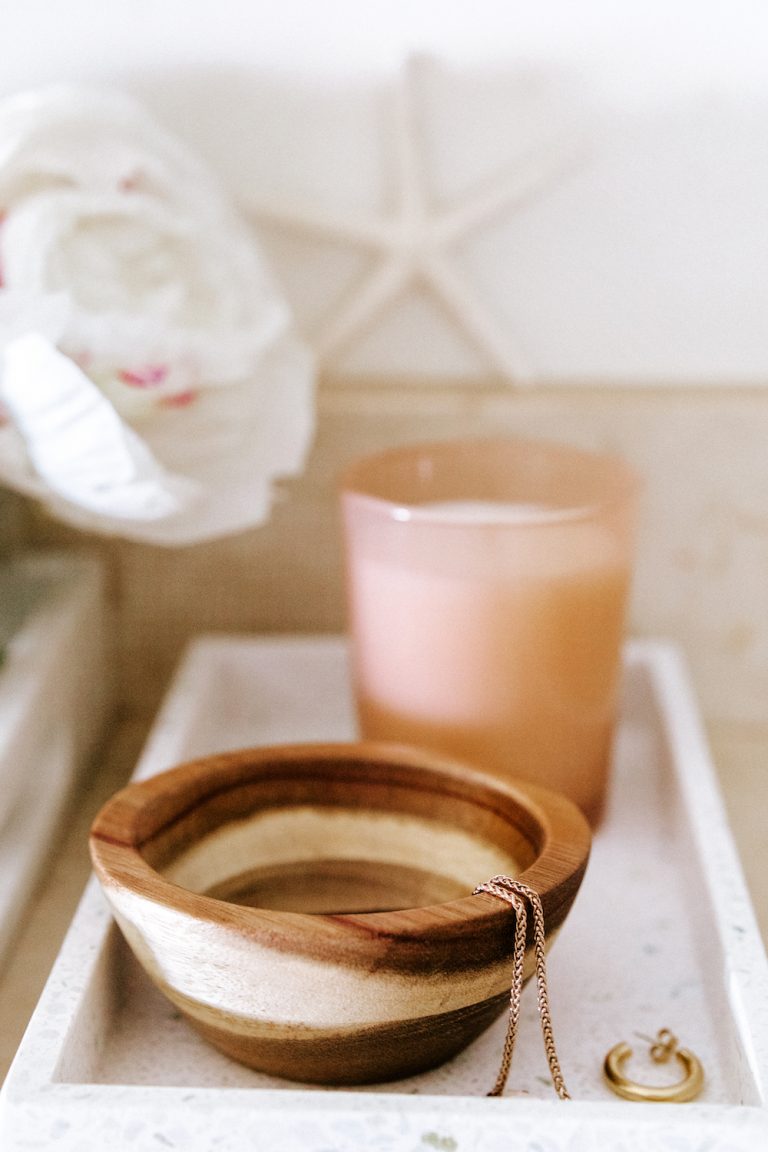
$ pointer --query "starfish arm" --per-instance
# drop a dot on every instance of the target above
(361, 308)
(534, 173)
(490, 339)
(346, 229)
(410, 192)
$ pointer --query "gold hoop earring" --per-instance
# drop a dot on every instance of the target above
(662, 1048)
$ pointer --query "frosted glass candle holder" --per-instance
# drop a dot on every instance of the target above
(487, 585)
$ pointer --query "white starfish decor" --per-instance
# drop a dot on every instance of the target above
(413, 245)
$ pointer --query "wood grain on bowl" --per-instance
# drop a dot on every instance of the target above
(309, 907)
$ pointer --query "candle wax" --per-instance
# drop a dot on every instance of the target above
(502, 650)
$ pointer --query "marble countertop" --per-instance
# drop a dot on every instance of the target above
(739, 754)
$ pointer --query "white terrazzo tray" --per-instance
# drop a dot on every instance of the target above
(54, 703)
(662, 934)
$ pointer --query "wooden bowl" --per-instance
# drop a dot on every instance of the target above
(309, 907)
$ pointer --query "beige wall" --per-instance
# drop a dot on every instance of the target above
(702, 574)
(13, 520)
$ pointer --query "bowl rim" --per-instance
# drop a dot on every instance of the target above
(561, 855)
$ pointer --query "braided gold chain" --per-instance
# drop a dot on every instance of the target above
(515, 893)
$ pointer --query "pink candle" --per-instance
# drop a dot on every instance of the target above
(487, 586)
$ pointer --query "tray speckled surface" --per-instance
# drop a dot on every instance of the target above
(661, 935)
